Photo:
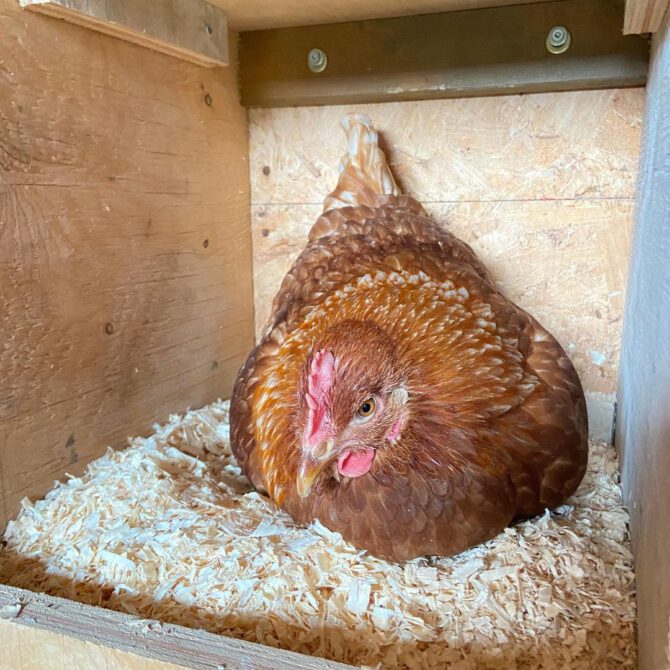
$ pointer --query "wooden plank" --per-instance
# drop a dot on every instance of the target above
(125, 274)
(193, 30)
(23, 648)
(56, 634)
(541, 186)
(444, 55)
(644, 383)
(261, 14)
(644, 16)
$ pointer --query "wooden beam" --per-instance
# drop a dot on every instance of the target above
(644, 16)
(80, 631)
(192, 30)
(265, 14)
(460, 54)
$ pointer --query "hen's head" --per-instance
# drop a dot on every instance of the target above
(352, 403)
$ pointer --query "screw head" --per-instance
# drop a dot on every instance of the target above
(558, 40)
(317, 60)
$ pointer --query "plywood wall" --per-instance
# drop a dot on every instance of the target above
(542, 186)
(644, 383)
(125, 287)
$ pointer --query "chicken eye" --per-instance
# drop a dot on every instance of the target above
(366, 408)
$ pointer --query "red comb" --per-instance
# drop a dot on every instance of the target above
(319, 387)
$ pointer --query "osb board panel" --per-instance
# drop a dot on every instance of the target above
(125, 287)
(259, 14)
(524, 147)
(644, 391)
(23, 648)
(541, 186)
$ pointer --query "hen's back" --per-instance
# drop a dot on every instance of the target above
(367, 225)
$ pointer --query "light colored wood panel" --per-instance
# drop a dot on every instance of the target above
(644, 16)
(564, 261)
(42, 632)
(125, 273)
(259, 14)
(545, 146)
(193, 30)
(644, 383)
(279, 234)
(23, 648)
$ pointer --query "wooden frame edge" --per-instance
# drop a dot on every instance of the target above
(644, 16)
(192, 30)
(169, 643)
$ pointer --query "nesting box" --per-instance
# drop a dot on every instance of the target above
(161, 163)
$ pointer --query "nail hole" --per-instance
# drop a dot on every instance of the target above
(109, 328)
(208, 28)
(266, 170)
(205, 244)
(208, 100)
(265, 232)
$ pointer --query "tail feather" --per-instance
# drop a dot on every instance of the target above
(364, 172)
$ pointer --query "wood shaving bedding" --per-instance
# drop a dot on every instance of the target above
(169, 529)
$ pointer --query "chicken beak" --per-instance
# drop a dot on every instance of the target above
(312, 464)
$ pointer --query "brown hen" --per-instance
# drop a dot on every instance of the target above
(395, 394)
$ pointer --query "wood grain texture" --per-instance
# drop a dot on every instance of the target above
(541, 186)
(23, 648)
(125, 279)
(51, 633)
(445, 55)
(259, 14)
(644, 382)
(644, 16)
(193, 30)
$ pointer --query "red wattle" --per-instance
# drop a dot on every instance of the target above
(355, 463)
